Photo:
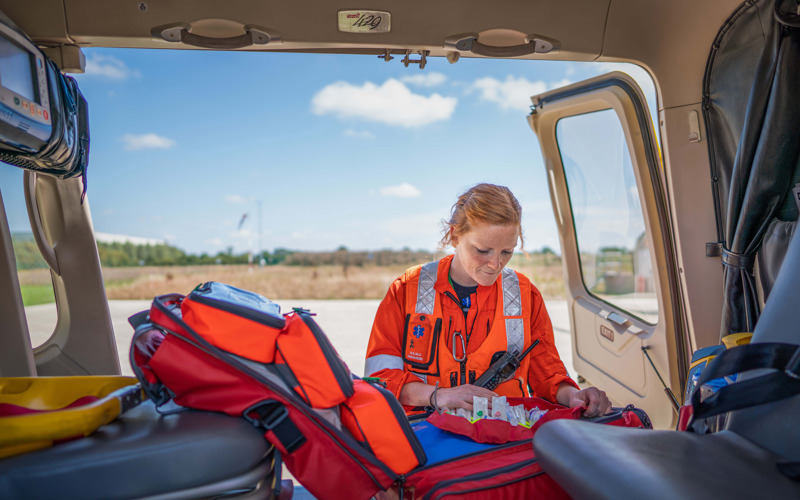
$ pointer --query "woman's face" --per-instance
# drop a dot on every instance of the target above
(482, 253)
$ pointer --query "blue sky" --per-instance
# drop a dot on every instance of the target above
(338, 150)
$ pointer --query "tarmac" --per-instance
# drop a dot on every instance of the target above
(346, 322)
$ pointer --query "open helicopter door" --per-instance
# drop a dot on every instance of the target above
(606, 188)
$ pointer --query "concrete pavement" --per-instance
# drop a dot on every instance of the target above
(346, 322)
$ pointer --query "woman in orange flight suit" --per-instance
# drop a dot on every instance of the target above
(441, 324)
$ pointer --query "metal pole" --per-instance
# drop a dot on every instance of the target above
(260, 253)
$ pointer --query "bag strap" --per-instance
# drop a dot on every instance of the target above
(273, 416)
(783, 383)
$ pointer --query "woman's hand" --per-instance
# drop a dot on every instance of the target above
(461, 396)
(419, 394)
(592, 399)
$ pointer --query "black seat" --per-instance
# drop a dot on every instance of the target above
(143, 454)
(599, 462)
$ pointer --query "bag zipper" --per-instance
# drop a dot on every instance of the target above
(482, 475)
(469, 455)
(343, 377)
(255, 315)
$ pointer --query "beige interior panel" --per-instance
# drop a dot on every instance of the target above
(693, 213)
(619, 355)
(415, 24)
(83, 341)
(42, 20)
(664, 36)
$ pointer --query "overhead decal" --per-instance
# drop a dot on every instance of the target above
(364, 21)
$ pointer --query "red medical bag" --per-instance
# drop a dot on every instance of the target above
(341, 437)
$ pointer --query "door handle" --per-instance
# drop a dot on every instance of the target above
(617, 319)
(179, 32)
(468, 42)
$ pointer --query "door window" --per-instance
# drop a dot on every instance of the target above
(607, 212)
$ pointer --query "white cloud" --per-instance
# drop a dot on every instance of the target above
(513, 93)
(404, 190)
(234, 198)
(216, 242)
(425, 79)
(109, 67)
(146, 141)
(363, 134)
(391, 103)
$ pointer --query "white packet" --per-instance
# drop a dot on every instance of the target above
(461, 412)
(535, 414)
(480, 407)
(512, 416)
(499, 405)
(521, 414)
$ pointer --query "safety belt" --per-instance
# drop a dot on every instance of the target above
(782, 383)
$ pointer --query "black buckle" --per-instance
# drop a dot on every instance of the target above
(273, 416)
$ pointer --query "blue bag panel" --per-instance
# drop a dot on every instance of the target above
(441, 445)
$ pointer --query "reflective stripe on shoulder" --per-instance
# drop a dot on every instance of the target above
(374, 364)
(512, 299)
(512, 306)
(426, 296)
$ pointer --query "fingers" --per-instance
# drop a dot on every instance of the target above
(597, 403)
(461, 396)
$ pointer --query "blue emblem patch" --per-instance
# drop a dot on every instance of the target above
(418, 331)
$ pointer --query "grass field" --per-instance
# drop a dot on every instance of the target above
(275, 282)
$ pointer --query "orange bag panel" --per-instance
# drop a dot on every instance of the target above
(235, 320)
(377, 420)
(323, 379)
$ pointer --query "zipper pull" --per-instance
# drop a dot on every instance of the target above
(301, 310)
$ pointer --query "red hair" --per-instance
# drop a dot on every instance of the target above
(482, 204)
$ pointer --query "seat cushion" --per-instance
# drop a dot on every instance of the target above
(140, 454)
(604, 462)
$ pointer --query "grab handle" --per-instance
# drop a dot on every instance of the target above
(179, 32)
(47, 250)
(468, 42)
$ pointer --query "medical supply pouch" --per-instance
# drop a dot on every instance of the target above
(376, 420)
(496, 431)
(498, 460)
(421, 341)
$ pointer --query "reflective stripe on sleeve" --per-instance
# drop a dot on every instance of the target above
(423, 378)
(380, 362)
(426, 295)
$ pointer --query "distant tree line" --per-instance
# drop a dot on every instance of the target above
(129, 255)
